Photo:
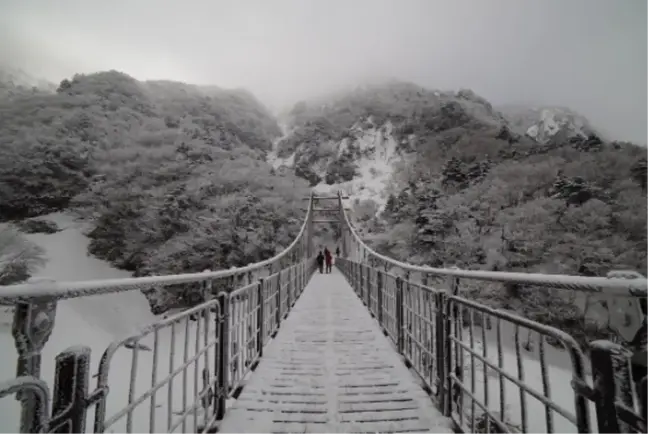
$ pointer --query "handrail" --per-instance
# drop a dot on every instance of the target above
(613, 286)
(62, 290)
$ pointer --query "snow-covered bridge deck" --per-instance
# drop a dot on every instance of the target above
(331, 369)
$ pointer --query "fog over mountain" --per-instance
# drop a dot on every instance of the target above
(588, 55)
(183, 136)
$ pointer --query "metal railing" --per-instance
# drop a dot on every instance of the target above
(484, 370)
(223, 347)
(493, 371)
(470, 358)
(200, 357)
(220, 341)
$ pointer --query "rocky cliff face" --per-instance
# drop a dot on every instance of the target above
(360, 164)
(547, 124)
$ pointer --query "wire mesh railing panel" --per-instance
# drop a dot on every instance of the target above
(495, 381)
(244, 330)
(492, 371)
(389, 314)
(423, 316)
(166, 390)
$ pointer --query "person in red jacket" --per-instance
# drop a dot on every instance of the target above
(329, 259)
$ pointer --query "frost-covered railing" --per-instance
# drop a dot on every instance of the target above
(493, 371)
(218, 341)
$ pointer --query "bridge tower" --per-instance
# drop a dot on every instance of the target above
(324, 211)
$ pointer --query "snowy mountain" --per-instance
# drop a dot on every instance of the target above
(545, 123)
(359, 142)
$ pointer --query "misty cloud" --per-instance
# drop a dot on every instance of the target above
(589, 55)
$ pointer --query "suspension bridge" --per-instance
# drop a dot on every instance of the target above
(377, 345)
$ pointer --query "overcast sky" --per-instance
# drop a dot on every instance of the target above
(589, 55)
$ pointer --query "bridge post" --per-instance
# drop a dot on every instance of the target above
(452, 320)
(613, 385)
(222, 365)
(32, 326)
(71, 382)
(298, 281)
(399, 314)
(407, 317)
(363, 295)
(260, 317)
(289, 289)
(448, 356)
(278, 301)
(379, 296)
(358, 278)
(368, 285)
(441, 346)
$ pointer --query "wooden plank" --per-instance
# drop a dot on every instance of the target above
(330, 369)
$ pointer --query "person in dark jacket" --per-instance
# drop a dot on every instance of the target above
(329, 259)
(320, 262)
(337, 252)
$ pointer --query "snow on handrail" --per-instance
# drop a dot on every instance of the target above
(612, 286)
(11, 294)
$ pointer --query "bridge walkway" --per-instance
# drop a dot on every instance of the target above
(331, 369)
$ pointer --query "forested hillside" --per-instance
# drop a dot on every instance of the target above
(173, 175)
(175, 179)
(429, 116)
(468, 191)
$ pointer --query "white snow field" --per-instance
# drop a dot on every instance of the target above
(97, 321)
(331, 369)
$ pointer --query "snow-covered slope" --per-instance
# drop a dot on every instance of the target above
(378, 154)
(67, 260)
(544, 123)
(374, 148)
(94, 321)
